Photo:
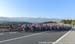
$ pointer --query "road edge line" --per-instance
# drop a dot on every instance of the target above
(61, 37)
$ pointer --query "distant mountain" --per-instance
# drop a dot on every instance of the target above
(26, 19)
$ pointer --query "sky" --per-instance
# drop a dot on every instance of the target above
(62, 9)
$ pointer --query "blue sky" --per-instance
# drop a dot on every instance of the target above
(62, 9)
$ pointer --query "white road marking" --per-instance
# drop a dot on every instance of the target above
(44, 42)
(61, 37)
(1, 33)
(21, 37)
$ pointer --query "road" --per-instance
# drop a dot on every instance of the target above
(30, 37)
(68, 39)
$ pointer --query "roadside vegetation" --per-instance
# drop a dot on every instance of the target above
(71, 22)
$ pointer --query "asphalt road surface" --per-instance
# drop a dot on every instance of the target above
(30, 37)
